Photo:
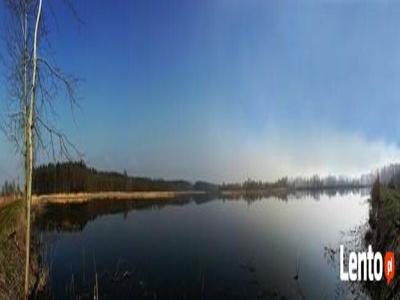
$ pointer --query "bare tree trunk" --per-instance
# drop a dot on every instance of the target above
(24, 104)
(25, 152)
(25, 96)
(29, 152)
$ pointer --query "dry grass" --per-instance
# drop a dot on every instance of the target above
(12, 250)
(84, 197)
(7, 199)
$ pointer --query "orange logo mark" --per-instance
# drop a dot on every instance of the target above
(389, 266)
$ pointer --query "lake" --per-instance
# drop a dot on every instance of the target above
(201, 247)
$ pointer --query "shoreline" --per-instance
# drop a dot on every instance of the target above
(86, 197)
(65, 198)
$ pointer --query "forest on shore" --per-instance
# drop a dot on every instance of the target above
(75, 177)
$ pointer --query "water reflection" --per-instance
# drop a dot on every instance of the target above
(243, 247)
(75, 216)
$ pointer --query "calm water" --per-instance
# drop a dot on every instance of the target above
(200, 248)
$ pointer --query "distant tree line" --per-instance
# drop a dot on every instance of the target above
(390, 176)
(250, 184)
(73, 177)
(309, 183)
(328, 182)
(9, 188)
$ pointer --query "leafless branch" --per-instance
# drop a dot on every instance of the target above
(70, 83)
(64, 143)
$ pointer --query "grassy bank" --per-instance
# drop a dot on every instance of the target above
(12, 253)
(12, 250)
(384, 235)
(85, 197)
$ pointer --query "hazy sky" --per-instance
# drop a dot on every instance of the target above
(224, 90)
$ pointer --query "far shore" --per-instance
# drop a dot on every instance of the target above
(65, 198)
(250, 192)
(85, 197)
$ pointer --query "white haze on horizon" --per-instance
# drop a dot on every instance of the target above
(323, 153)
(317, 152)
(223, 157)
(229, 159)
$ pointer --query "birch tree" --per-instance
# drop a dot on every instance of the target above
(34, 84)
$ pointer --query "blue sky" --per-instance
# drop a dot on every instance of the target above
(225, 90)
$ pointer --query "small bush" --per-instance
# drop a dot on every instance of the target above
(375, 191)
(391, 185)
(368, 236)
